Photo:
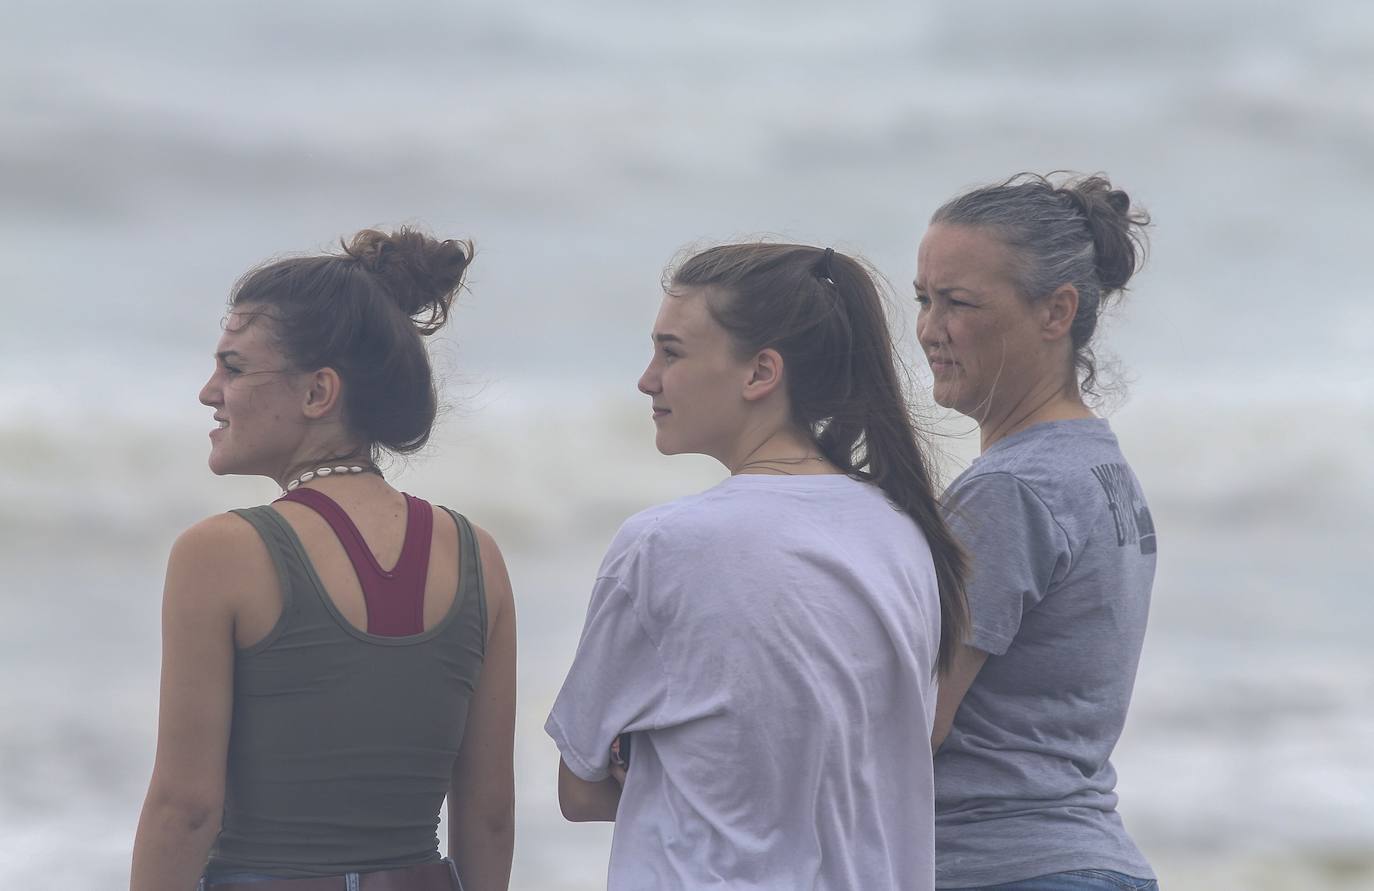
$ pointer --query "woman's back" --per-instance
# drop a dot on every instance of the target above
(343, 741)
(785, 670)
(1061, 599)
(321, 660)
(380, 515)
(1011, 281)
(771, 645)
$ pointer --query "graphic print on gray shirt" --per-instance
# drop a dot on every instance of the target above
(1062, 548)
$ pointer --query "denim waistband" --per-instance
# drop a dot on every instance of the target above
(351, 878)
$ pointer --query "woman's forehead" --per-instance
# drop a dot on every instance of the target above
(953, 255)
(243, 330)
(685, 315)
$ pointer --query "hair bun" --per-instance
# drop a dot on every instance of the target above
(1119, 201)
(419, 272)
(1117, 230)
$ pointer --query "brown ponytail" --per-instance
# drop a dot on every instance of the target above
(822, 312)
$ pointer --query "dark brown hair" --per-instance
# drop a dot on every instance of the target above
(1081, 231)
(823, 314)
(363, 313)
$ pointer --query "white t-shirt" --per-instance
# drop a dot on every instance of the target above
(771, 644)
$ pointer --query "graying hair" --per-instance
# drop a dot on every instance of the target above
(1080, 232)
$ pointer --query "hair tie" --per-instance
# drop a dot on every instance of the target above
(824, 273)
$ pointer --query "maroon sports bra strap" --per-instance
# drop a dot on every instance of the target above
(395, 599)
(413, 564)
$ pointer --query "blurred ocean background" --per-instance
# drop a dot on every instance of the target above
(151, 152)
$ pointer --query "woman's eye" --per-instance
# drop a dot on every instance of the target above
(923, 300)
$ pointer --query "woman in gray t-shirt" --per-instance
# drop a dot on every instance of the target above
(1011, 280)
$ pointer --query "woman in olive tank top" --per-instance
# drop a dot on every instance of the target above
(338, 663)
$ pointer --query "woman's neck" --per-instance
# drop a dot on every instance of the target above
(785, 452)
(1037, 406)
(330, 457)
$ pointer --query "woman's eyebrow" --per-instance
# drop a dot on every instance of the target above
(945, 292)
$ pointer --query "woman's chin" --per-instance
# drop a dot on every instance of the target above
(221, 466)
(945, 396)
(952, 397)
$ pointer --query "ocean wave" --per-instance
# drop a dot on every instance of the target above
(557, 463)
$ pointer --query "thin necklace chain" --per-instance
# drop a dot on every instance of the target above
(787, 461)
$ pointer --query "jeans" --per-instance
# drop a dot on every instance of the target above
(350, 878)
(1077, 880)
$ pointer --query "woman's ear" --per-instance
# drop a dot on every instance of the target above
(1057, 312)
(323, 393)
(765, 375)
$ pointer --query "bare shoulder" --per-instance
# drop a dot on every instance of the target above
(220, 539)
(494, 573)
(220, 554)
(493, 562)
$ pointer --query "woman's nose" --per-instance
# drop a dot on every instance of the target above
(648, 381)
(208, 394)
(929, 327)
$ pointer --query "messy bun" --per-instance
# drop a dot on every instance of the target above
(1117, 232)
(363, 313)
(1080, 231)
(419, 272)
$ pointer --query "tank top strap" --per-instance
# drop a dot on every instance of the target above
(293, 572)
(395, 598)
(471, 584)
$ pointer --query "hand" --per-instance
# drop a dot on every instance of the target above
(619, 765)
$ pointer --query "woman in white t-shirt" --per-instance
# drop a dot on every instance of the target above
(770, 646)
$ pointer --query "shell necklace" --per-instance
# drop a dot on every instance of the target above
(338, 469)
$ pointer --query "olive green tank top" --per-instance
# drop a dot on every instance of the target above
(343, 742)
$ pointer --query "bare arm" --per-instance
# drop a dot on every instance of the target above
(968, 661)
(181, 814)
(481, 801)
(582, 801)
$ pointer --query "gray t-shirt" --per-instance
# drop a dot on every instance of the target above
(771, 644)
(1063, 555)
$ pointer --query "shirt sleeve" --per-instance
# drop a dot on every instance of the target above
(617, 683)
(1016, 549)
